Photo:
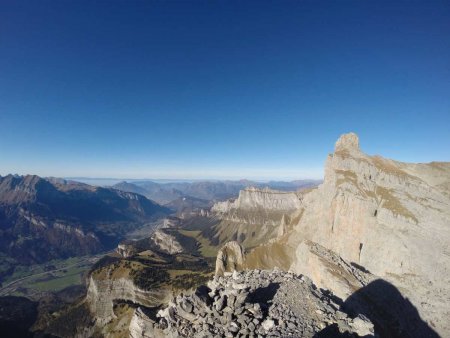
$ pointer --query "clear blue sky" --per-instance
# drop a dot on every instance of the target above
(206, 89)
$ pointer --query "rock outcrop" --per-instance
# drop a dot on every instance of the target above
(329, 270)
(166, 242)
(347, 142)
(255, 217)
(391, 218)
(126, 250)
(171, 222)
(253, 303)
(142, 326)
(260, 199)
(229, 258)
(102, 293)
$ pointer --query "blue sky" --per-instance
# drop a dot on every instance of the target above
(226, 89)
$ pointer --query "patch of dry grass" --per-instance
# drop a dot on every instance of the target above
(118, 327)
(206, 249)
(389, 201)
(390, 168)
(270, 255)
(346, 176)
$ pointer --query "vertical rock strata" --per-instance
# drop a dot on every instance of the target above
(102, 293)
(391, 218)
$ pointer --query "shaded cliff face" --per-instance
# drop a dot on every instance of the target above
(43, 219)
(391, 218)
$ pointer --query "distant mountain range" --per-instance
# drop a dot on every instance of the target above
(49, 218)
(165, 193)
(43, 219)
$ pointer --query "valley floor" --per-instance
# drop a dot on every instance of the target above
(53, 276)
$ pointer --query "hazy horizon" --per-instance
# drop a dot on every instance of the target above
(169, 179)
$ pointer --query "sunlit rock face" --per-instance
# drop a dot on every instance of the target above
(391, 218)
(261, 199)
(229, 258)
(103, 292)
(166, 242)
(348, 141)
(255, 217)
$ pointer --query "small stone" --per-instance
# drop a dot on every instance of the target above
(238, 311)
(231, 299)
(186, 306)
(220, 303)
(268, 324)
(251, 326)
(240, 299)
(228, 309)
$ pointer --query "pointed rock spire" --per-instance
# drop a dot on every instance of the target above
(348, 141)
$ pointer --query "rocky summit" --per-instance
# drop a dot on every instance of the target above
(253, 303)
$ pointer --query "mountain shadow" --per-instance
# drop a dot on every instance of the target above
(393, 315)
(263, 296)
(17, 314)
(332, 331)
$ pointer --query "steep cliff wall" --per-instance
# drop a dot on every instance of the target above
(102, 293)
(371, 211)
(392, 218)
(255, 217)
(261, 199)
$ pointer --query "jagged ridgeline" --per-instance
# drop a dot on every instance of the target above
(43, 219)
(367, 254)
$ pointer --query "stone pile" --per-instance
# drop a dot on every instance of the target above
(258, 303)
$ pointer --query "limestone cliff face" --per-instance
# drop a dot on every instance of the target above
(260, 199)
(256, 216)
(392, 218)
(102, 293)
(376, 213)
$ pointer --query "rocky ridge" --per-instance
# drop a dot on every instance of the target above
(266, 199)
(256, 216)
(166, 242)
(44, 219)
(249, 304)
(388, 217)
(102, 293)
